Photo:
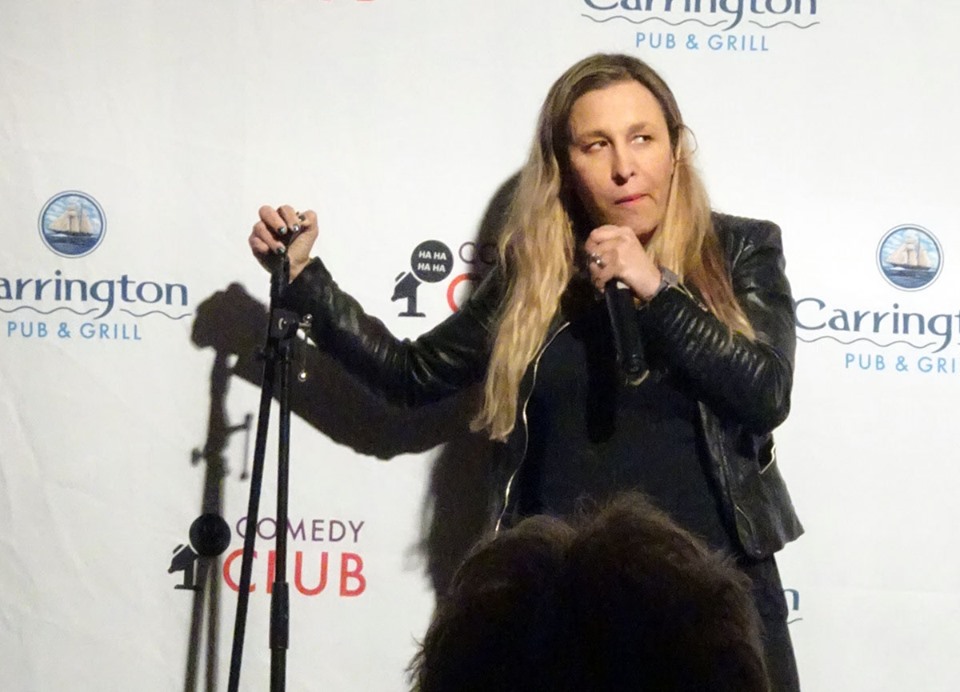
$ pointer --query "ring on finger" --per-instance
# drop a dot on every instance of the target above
(597, 260)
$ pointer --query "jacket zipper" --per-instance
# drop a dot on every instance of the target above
(773, 459)
(526, 433)
(737, 509)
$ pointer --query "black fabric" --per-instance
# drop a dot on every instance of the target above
(777, 647)
(591, 436)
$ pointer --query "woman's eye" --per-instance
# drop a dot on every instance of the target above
(641, 138)
(595, 146)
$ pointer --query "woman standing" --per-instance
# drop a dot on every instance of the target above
(609, 193)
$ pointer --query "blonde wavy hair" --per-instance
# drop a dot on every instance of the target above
(539, 241)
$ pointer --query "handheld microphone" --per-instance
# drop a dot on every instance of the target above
(626, 332)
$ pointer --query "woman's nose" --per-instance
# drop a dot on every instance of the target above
(623, 165)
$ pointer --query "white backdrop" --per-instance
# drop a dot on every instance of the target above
(398, 122)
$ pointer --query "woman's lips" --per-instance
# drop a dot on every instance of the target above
(630, 198)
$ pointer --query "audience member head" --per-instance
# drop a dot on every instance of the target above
(623, 599)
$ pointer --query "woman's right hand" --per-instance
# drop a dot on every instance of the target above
(284, 231)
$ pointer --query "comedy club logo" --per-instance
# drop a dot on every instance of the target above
(69, 305)
(705, 26)
(432, 262)
(904, 336)
(326, 552)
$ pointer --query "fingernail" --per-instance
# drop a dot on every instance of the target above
(279, 250)
(282, 230)
(295, 228)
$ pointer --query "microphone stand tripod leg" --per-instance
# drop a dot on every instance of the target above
(281, 331)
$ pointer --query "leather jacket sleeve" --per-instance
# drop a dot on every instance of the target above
(452, 355)
(748, 381)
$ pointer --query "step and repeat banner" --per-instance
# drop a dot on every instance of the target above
(139, 139)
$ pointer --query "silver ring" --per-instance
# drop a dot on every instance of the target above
(597, 260)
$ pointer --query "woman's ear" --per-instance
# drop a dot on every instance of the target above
(678, 150)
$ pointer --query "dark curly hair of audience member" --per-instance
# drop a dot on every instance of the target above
(622, 600)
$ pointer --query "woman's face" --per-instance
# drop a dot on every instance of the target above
(620, 157)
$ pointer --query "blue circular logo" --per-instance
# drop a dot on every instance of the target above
(72, 224)
(909, 257)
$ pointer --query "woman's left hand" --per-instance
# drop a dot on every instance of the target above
(615, 252)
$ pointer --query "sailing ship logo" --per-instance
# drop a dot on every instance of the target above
(909, 257)
(72, 224)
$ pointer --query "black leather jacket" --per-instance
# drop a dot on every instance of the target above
(743, 386)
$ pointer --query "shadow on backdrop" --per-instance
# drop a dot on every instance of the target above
(201, 560)
(457, 509)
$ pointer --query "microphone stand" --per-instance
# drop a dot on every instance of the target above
(277, 358)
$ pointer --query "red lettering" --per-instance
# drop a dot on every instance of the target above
(457, 280)
(353, 571)
(298, 575)
(226, 570)
(352, 581)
